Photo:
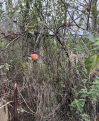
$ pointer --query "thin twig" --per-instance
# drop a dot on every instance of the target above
(25, 102)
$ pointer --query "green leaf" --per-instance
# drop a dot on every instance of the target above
(91, 62)
(90, 37)
(28, 64)
(29, 27)
(96, 43)
(7, 66)
(62, 85)
(1, 66)
(82, 19)
(96, 39)
(13, 62)
(31, 32)
(29, 58)
(84, 95)
(41, 23)
(22, 110)
(30, 23)
(5, 80)
(61, 82)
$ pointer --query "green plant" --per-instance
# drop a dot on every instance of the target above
(92, 94)
(62, 84)
(92, 62)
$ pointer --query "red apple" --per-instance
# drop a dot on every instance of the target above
(57, 52)
(64, 24)
(12, 36)
(88, 9)
(69, 23)
(34, 56)
(9, 35)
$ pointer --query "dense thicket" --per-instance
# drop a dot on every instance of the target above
(63, 33)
